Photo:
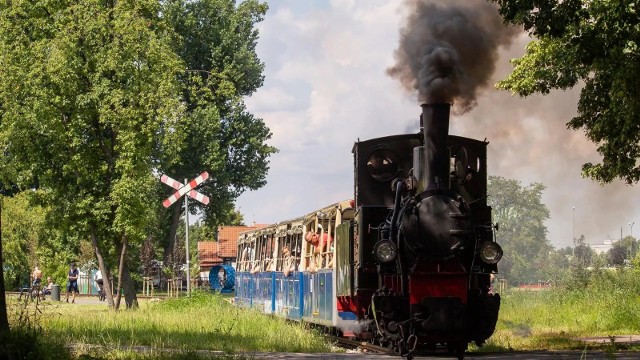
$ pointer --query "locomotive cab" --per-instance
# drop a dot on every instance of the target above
(425, 249)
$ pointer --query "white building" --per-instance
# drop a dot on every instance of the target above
(604, 247)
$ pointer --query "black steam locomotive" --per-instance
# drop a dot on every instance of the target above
(407, 264)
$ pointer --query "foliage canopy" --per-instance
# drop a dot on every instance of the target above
(594, 43)
(98, 97)
(520, 213)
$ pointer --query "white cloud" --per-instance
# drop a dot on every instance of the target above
(326, 87)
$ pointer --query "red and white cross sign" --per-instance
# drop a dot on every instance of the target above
(185, 189)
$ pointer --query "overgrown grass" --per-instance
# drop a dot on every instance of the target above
(207, 326)
(555, 319)
(202, 322)
(27, 338)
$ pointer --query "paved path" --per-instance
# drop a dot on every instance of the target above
(83, 299)
(538, 355)
(529, 355)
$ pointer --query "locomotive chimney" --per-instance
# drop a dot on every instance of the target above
(435, 123)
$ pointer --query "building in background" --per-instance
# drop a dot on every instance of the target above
(602, 248)
(223, 251)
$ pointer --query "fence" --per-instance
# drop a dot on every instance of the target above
(174, 286)
(86, 284)
(150, 285)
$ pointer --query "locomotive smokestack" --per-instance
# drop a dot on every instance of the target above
(435, 122)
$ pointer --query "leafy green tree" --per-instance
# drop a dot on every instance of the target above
(4, 318)
(595, 43)
(557, 266)
(622, 250)
(583, 253)
(216, 40)
(88, 100)
(24, 232)
(520, 213)
(97, 97)
(235, 218)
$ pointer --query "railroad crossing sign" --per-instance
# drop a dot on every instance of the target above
(185, 189)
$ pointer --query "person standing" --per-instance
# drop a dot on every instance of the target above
(36, 277)
(72, 283)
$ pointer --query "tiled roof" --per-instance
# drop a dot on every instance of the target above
(208, 254)
(228, 239)
(211, 253)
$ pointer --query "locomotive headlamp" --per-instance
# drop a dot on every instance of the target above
(385, 251)
(490, 252)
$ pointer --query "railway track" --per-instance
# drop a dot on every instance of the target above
(363, 345)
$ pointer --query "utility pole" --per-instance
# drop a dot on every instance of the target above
(573, 227)
(631, 240)
(186, 238)
(188, 189)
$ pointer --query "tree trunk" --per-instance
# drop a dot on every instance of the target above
(4, 319)
(171, 241)
(125, 282)
(103, 268)
(123, 257)
(129, 289)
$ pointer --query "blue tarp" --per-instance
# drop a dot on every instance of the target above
(222, 282)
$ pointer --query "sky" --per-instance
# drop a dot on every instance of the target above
(326, 86)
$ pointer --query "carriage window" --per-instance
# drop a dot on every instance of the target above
(320, 246)
(382, 165)
(296, 247)
(247, 253)
(269, 261)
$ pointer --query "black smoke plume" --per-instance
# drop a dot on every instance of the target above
(448, 50)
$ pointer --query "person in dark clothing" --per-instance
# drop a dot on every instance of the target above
(72, 283)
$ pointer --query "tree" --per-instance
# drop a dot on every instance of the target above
(89, 98)
(217, 41)
(594, 43)
(557, 266)
(520, 213)
(583, 254)
(235, 218)
(24, 232)
(97, 97)
(4, 318)
(622, 250)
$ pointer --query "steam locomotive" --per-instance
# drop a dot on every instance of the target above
(407, 264)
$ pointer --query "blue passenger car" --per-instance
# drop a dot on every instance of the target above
(287, 268)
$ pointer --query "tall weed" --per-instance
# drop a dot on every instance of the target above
(601, 303)
(27, 338)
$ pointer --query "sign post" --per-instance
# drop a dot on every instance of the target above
(187, 188)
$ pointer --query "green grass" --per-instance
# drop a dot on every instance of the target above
(182, 328)
(182, 325)
(556, 319)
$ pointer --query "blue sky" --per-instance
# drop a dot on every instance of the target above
(325, 88)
